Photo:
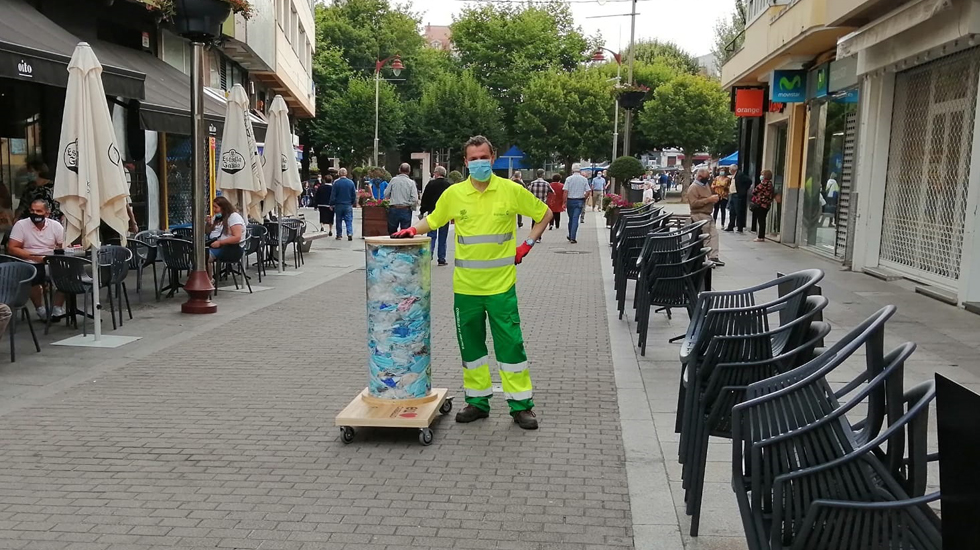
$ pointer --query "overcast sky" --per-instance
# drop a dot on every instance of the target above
(688, 23)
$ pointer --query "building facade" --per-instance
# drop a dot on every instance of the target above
(873, 160)
(146, 68)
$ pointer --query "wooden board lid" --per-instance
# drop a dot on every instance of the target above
(388, 241)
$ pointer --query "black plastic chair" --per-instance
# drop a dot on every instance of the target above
(272, 237)
(16, 280)
(115, 261)
(256, 245)
(233, 263)
(150, 259)
(290, 236)
(178, 256)
(185, 233)
(299, 226)
(670, 285)
(68, 274)
(801, 457)
(626, 214)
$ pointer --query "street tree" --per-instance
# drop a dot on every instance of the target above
(565, 117)
(624, 169)
(667, 53)
(347, 131)
(454, 108)
(505, 44)
(691, 113)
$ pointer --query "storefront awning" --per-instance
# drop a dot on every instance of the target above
(35, 49)
(166, 107)
(889, 25)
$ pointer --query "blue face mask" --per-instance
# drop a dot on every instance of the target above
(481, 169)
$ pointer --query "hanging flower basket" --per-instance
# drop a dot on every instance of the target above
(632, 97)
(199, 19)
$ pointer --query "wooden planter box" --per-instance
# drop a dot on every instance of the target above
(374, 221)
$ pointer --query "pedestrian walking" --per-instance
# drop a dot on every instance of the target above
(556, 201)
(403, 197)
(598, 191)
(541, 189)
(702, 202)
(322, 202)
(720, 187)
(576, 190)
(342, 199)
(484, 281)
(762, 197)
(430, 197)
(738, 201)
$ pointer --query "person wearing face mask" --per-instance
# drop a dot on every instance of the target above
(39, 187)
(31, 239)
(485, 208)
(702, 202)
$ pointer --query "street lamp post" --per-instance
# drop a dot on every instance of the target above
(629, 112)
(599, 57)
(396, 68)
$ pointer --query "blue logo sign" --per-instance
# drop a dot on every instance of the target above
(788, 86)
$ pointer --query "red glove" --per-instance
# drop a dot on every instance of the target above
(522, 251)
(404, 233)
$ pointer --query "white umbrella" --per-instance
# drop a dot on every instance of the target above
(279, 167)
(279, 162)
(91, 186)
(240, 170)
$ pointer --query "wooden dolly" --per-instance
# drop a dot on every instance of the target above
(370, 412)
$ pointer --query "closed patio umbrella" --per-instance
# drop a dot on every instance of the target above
(240, 175)
(90, 184)
(280, 169)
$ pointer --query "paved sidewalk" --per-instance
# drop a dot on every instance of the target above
(223, 436)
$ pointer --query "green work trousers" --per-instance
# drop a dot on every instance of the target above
(472, 313)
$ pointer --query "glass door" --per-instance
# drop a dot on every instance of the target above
(775, 216)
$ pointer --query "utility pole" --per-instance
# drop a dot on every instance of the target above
(627, 133)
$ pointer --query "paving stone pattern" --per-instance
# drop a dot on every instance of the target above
(227, 440)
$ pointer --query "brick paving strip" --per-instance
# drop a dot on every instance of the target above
(226, 439)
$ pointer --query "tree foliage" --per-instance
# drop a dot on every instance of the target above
(454, 108)
(624, 169)
(729, 34)
(690, 113)
(504, 45)
(347, 122)
(565, 116)
(667, 53)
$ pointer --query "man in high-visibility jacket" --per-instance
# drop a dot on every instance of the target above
(485, 208)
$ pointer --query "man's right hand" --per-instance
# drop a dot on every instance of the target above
(404, 233)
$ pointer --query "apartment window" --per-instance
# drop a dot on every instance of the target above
(176, 52)
(294, 24)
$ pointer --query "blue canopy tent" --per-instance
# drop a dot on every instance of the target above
(513, 159)
(729, 160)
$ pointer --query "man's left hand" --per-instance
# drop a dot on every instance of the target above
(522, 251)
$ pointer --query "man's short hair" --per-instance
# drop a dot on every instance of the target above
(42, 202)
(343, 172)
(703, 171)
(540, 172)
(477, 141)
(405, 168)
(439, 171)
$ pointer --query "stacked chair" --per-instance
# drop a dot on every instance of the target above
(627, 250)
(821, 460)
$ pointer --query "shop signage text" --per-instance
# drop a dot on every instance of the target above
(749, 102)
(817, 82)
(788, 86)
(25, 69)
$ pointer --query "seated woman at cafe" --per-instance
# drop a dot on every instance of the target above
(225, 233)
(33, 238)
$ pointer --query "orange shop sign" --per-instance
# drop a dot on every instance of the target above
(749, 102)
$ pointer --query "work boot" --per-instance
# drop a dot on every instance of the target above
(470, 413)
(526, 420)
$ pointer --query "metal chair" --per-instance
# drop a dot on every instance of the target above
(256, 245)
(114, 262)
(178, 256)
(68, 274)
(16, 280)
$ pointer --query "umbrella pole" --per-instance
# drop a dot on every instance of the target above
(198, 285)
(281, 247)
(96, 293)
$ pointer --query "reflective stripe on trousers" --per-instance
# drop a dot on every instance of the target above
(499, 238)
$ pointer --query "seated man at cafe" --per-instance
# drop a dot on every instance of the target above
(31, 239)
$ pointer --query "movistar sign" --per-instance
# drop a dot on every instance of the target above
(788, 86)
